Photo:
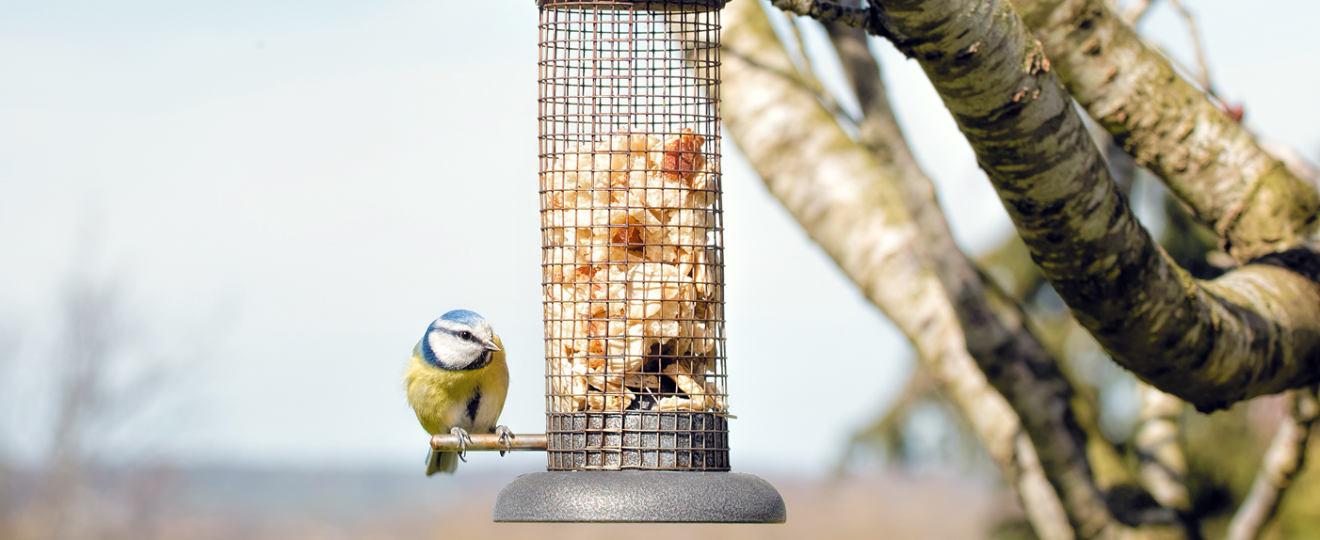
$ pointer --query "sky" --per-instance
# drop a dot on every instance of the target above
(287, 192)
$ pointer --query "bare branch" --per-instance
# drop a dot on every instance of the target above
(1136, 11)
(881, 135)
(1283, 460)
(1038, 495)
(1245, 334)
(1163, 464)
(1197, 46)
(794, 24)
(1294, 161)
(91, 339)
(997, 337)
(846, 203)
(1250, 199)
(886, 432)
(1213, 165)
(804, 82)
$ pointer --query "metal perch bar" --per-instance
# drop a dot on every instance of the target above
(533, 442)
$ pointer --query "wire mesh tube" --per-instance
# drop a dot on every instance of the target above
(632, 243)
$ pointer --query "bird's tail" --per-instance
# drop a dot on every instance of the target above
(445, 462)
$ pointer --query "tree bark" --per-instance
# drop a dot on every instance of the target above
(1251, 332)
(1208, 161)
(843, 200)
(1283, 460)
(996, 335)
(1160, 457)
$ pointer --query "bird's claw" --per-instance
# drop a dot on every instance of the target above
(463, 439)
(506, 438)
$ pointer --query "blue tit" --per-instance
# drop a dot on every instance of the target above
(456, 382)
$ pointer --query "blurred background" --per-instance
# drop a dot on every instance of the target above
(223, 226)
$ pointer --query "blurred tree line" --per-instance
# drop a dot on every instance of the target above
(75, 458)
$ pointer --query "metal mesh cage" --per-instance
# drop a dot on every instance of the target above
(632, 243)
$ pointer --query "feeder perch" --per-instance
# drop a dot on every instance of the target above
(637, 406)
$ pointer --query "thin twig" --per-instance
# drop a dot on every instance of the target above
(824, 12)
(806, 82)
(1136, 11)
(878, 130)
(1282, 462)
(886, 432)
(1204, 77)
(823, 95)
(793, 24)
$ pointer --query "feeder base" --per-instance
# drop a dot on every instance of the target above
(639, 496)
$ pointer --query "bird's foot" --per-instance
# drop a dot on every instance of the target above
(463, 439)
(506, 437)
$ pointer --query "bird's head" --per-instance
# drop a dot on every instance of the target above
(459, 340)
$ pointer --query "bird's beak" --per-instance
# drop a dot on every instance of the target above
(490, 345)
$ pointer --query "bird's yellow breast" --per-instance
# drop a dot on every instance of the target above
(441, 397)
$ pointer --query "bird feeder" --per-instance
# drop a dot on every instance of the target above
(637, 406)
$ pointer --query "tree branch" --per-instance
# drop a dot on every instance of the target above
(825, 11)
(996, 335)
(1136, 11)
(1248, 333)
(846, 203)
(1250, 199)
(1197, 46)
(1015, 363)
(997, 338)
(887, 434)
(1163, 465)
(1283, 460)
(796, 78)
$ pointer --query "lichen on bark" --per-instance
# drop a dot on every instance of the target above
(846, 203)
(1217, 168)
(1248, 333)
(1253, 331)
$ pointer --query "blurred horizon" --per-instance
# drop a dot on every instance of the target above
(224, 502)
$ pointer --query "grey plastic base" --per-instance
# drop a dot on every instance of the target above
(640, 496)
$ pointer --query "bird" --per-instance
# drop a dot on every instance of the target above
(456, 383)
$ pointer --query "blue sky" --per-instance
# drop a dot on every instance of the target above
(290, 191)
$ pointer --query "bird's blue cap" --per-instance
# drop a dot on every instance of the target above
(463, 316)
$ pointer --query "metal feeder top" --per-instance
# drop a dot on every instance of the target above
(640, 5)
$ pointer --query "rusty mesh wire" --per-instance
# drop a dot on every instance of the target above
(632, 241)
